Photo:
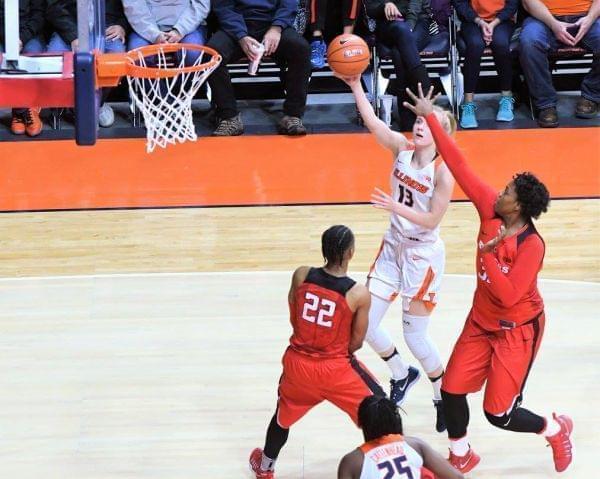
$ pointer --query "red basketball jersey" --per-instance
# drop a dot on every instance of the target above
(321, 317)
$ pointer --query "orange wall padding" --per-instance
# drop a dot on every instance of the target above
(256, 170)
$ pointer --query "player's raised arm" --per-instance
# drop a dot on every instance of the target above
(480, 193)
(439, 201)
(386, 137)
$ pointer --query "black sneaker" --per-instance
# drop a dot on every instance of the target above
(230, 127)
(399, 388)
(440, 422)
(292, 126)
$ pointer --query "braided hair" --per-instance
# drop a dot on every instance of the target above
(378, 416)
(532, 195)
(335, 241)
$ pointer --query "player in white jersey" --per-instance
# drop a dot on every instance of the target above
(386, 453)
(410, 262)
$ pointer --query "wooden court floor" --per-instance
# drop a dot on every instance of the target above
(108, 370)
(174, 376)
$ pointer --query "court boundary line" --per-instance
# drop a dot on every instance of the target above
(231, 273)
(250, 205)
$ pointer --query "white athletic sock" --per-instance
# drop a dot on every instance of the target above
(552, 427)
(437, 387)
(398, 367)
(459, 447)
(266, 463)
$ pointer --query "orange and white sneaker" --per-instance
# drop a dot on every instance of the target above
(562, 447)
(255, 460)
(17, 124)
(464, 463)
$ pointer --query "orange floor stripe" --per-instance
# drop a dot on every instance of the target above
(252, 170)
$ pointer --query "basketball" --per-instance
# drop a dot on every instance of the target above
(348, 55)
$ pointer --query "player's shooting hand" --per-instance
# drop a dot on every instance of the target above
(491, 244)
(380, 199)
(271, 40)
(391, 11)
(115, 32)
(423, 105)
(560, 30)
(351, 81)
(250, 47)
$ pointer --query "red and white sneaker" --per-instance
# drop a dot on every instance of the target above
(562, 448)
(255, 460)
(464, 463)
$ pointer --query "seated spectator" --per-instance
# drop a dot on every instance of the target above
(487, 23)
(554, 24)
(404, 27)
(177, 21)
(31, 25)
(62, 17)
(243, 25)
(318, 12)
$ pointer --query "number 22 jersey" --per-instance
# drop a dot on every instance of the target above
(321, 317)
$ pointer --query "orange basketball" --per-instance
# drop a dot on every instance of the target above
(348, 55)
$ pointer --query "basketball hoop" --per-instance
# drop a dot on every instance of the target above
(162, 86)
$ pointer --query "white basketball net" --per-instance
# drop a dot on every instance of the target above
(166, 103)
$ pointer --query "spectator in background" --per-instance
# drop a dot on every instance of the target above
(175, 21)
(62, 17)
(318, 12)
(31, 25)
(487, 23)
(244, 24)
(552, 24)
(404, 27)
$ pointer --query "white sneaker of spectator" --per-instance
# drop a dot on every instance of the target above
(106, 116)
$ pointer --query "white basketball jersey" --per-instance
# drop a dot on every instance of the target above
(414, 189)
(389, 457)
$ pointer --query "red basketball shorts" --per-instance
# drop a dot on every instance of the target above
(502, 358)
(307, 381)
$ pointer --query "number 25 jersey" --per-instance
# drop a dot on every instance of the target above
(414, 189)
(390, 457)
(321, 317)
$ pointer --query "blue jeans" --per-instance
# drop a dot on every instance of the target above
(475, 45)
(397, 35)
(197, 37)
(536, 41)
(57, 44)
(35, 45)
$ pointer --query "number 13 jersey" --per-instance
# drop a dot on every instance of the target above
(321, 317)
(412, 188)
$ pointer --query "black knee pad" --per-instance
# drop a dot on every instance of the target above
(498, 421)
(456, 413)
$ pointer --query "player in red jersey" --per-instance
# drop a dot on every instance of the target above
(504, 328)
(329, 315)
